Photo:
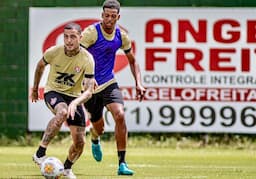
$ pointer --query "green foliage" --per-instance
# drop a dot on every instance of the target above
(161, 140)
(194, 140)
(5, 141)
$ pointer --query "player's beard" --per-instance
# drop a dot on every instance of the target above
(71, 52)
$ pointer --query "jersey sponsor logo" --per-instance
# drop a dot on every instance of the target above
(65, 79)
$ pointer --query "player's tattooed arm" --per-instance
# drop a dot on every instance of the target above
(89, 84)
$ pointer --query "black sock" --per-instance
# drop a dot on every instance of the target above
(95, 141)
(68, 164)
(121, 156)
(41, 151)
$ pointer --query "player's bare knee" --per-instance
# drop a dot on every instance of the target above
(62, 114)
(60, 117)
(119, 117)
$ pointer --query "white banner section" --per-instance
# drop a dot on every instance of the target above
(198, 65)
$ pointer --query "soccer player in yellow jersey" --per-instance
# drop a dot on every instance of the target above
(102, 40)
(71, 72)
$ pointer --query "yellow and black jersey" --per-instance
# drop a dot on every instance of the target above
(67, 73)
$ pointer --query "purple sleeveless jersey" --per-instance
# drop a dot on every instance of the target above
(104, 52)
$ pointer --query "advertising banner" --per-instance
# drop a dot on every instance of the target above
(198, 65)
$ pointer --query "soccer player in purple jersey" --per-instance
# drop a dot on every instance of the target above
(102, 40)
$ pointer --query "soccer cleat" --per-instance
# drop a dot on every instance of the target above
(38, 160)
(124, 170)
(69, 174)
(96, 152)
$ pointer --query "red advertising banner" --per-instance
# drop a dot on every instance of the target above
(198, 65)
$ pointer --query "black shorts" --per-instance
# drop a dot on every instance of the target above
(52, 98)
(96, 103)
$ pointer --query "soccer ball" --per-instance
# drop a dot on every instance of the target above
(52, 168)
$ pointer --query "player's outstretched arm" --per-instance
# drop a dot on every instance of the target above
(135, 69)
(89, 84)
(37, 78)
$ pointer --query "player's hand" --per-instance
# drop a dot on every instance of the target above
(72, 109)
(34, 95)
(140, 92)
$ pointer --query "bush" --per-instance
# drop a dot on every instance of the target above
(165, 140)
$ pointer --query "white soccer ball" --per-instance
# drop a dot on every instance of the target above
(52, 168)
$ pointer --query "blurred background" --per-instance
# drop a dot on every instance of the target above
(14, 50)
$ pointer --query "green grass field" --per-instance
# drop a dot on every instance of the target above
(149, 162)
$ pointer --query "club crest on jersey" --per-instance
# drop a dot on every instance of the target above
(77, 69)
(53, 101)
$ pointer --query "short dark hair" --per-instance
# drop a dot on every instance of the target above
(73, 25)
(112, 4)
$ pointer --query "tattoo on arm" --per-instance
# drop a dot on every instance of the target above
(88, 83)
